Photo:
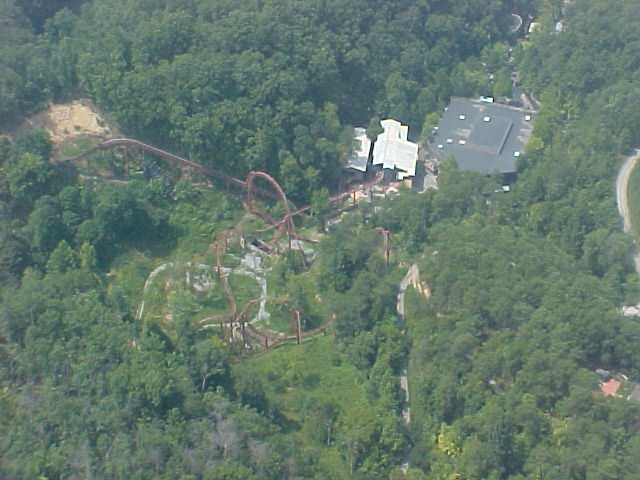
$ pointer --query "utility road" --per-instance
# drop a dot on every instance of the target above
(622, 186)
(412, 277)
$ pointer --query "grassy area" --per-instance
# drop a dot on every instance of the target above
(244, 288)
(98, 164)
(209, 301)
(279, 321)
(129, 272)
(198, 224)
(192, 227)
(76, 146)
(626, 388)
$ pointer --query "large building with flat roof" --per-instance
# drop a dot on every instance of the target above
(481, 136)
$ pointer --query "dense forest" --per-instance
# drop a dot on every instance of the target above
(525, 287)
(246, 85)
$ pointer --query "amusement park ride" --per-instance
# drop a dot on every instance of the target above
(235, 325)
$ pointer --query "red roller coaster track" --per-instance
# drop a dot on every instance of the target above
(285, 226)
(217, 174)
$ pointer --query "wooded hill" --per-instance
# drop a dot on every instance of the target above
(526, 286)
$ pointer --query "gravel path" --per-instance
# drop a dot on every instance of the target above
(250, 268)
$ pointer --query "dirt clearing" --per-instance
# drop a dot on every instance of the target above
(69, 120)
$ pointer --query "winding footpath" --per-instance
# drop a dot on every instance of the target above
(622, 185)
(254, 273)
(412, 277)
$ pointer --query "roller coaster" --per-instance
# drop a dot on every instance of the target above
(235, 323)
(217, 174)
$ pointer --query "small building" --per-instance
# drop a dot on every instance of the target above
(359, 157)
(610, 387)
(393, 151)
(631, 311)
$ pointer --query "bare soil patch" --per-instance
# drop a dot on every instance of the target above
(69, 120)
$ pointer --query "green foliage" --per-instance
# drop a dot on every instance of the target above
(14, 255)
(344, 254)
(499, 324)
(15, 36)
(525, 286)
(35, 141)
(28, 178)
(320, 206)
(63, 258)
(259, 87)
(501, 84)
(469, 79)
(374, 128)
(495, 57)
(570, 200)
(45, 226)
(430, 122)
(633, 193)
(331, 419)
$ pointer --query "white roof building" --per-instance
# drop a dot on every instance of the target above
(359, 157)
(392, 150)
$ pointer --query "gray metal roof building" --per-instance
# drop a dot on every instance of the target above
(483, 137)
